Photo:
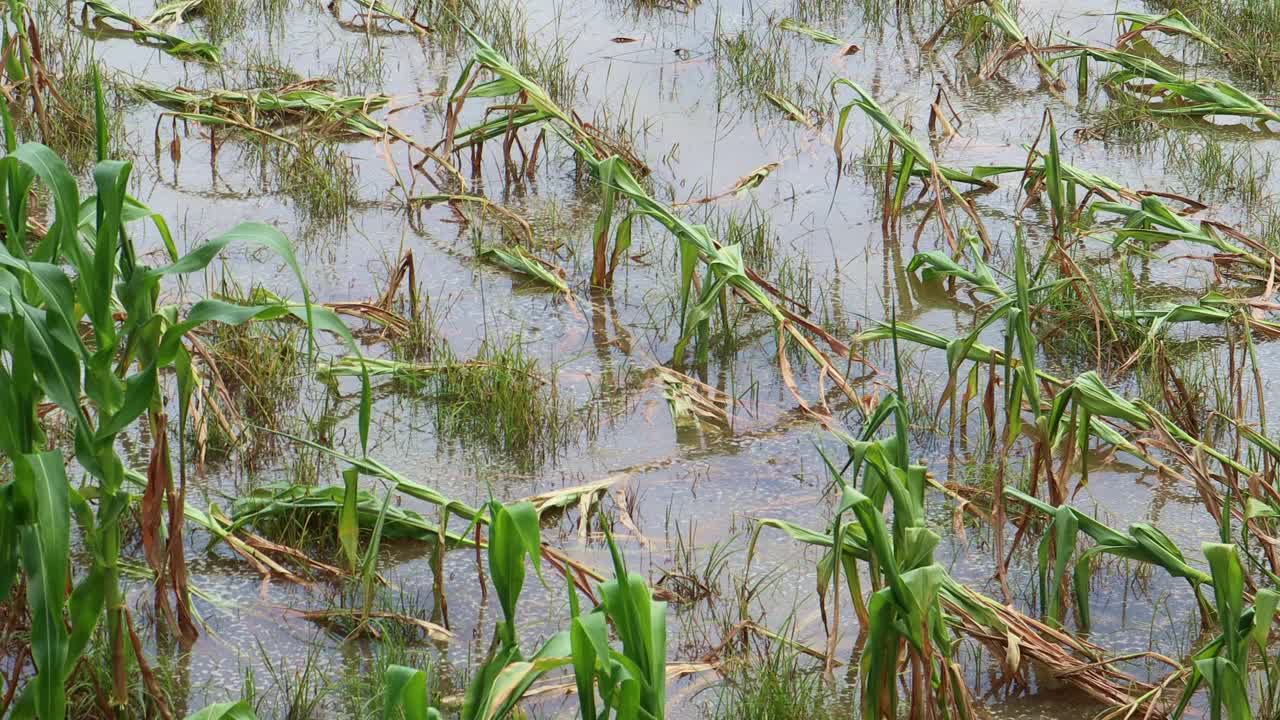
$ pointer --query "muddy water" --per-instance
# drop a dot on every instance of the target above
(700, 130)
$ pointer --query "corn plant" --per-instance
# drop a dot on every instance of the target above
(533, 105)
(1170, 23)
(1089, 391)
(1014, 636)
(1014, 306)
(726, 273)
(84, 272)
(1222, 666)
(263, 110)
(1212, 308)
(1071, 176)
(1179, 96)
(1079, 410)
(350, 506)
(915, 605)
(998, 15)
(145, 32)
(632, 682)
(916, 160)
(1153, 222)
(905, 608)
(1144, 543)
(628, 683)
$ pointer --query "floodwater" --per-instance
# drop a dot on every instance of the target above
(674, 86)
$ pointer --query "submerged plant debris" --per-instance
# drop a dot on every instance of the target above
(710, 359)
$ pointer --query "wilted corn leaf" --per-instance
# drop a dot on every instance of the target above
(692, 400)
(754, 178)
(788, 108)
(1181, 96)
(174, 12)
(817, 35)
(384, 10)
(517, 259)
(146, 33)
(1171, 23)
(305, 103)
(239, 710)
(915, 152)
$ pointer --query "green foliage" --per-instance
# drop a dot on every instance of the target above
(916, 160)
(148, 32)
(1173, 22)
(405, 695)
(629, 683)
(518, 260)
(821, 36)
(1145, 544)
(84, 273)
(1178, 96)
(725, 271)
(1222, 666)
(239, 710)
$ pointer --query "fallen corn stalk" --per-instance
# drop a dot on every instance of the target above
(147, 32)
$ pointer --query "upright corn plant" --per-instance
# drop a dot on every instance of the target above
(629, 683)
(81, 328)
(905, 610)
(1086, 400)
(1222, 666)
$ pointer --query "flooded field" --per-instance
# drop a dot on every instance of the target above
(387, 358)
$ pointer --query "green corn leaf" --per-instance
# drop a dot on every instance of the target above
(589, 644)
(826, 38)
(1227, 689)
(1064, 545)
(46, 547)
(348, 519)
(369, 563)
(1172, 23)
(1265, 604)
(517, 259)
(513, 536)
(1228, 592)
(404, 695)
(225, 711)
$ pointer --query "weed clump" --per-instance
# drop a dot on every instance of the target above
(500, 398)
(776, 686)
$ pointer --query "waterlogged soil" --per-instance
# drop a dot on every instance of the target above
(674, 87)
